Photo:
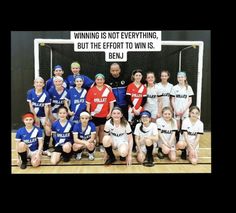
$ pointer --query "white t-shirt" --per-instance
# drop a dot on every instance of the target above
(164, 91)
(151, 130)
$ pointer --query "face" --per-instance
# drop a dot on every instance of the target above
(62, 113)
(150, 78)
(84, 119)
(116, 114)
(138, 77)
(181, 79)
(115, 71)
(164, 77)
(194, 114)
(75, 70)
(58, 72)
(58, 83)
(99, 81)
(145, 120)
(79, 82)
(28, 121)
(167, 115)
(38, 84)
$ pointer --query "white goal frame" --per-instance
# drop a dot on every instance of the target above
(200, 44)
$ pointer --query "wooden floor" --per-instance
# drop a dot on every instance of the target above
(97, 166)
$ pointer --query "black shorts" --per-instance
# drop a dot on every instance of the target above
(58, 149)
(99, 121)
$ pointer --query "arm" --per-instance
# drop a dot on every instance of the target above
(88, 107)
(66, 103)
(188, 104)
(187, 141)
(129, 157)
(160, 104)
(163, 139)
(40, 146)
(110, 109)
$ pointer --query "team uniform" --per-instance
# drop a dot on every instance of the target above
(152, 100)
(50, 84)
(62, 134)
(100, 101)
(38, 103)
(166, 129)
(193, 130)
(57, 100)
(151, 130)
(119, 134)
(77, 102)
(181, 95)
(87, 81)
(137, 94)
(30, 138)
(164, 92)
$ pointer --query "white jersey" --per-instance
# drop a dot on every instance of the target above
(164, 91)
(181, 95)
(152, 103)
(192, 129)
(146, 131)
(165, 128)
(117, 133)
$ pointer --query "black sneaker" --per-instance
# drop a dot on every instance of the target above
(122, 158)
(109, 161)
(149, 162)
(66, 159)
(23, 165)
(184, 154)
(160, 154)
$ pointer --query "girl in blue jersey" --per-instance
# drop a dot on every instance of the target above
(84, 134)
(58, 71)
(75, 69)
(75, 99)
(57, 95)
(39, 102)
(29, 142)
(61, 132)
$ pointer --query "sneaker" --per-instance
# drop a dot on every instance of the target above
(66, 159)
(149, 162)
(109, 161)
(122, 158)
(160, 154)
(23, 165)
(47, 152)
(78, 156)
(102, 149)
(91, 156)
(183, 154)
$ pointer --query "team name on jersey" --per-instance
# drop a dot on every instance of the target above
(38, 104)
(166, 94)
(166, 131)
(63, 135)
(117, 135)
(181, 96)
(100, 100)
(84, 137)
(79, 101)
(192, 133)
(151, 96)
(57, 101)
(137, 95)
(32, 140)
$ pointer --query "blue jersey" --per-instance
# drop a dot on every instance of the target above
(62, 134)
(86, 134)
(57, 99)
(29, 138)
(38, 101)
(87, 81)
(50, 84)
(77, 101)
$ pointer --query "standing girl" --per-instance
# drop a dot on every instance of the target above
(192, 128)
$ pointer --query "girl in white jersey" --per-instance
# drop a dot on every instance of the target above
(181, 99)
(164, 89)
(118, 135)
(167, 127)
(146, 135)
(192, 128)
(153, 97)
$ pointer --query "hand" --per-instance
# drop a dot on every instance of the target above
(108, 116)
(71, 113)
(129, 160)
(37, 122)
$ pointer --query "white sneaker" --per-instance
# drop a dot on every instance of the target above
(102, 149)
(79, 156)
(91, 156)
(47, 152)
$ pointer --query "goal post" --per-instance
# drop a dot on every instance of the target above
(200, 44)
